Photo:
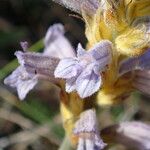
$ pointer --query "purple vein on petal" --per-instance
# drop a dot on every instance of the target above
(66, 68)
(87, 83)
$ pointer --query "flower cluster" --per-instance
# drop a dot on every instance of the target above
(116, 62)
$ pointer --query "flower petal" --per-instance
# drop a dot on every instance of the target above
(137, 63)
(142, 81)
(56, 44)
(88, 83)
(66, 68)
(36, 63)
(71, 84)
(80, 51)
(76, 5)
(81, 144)
(22, 81)
(86, 144)
(133, 135)
(102, 50)
(99, 55)
(53, 33)
(34, 66)
(25, 86)
(87, 122)
(86, 128)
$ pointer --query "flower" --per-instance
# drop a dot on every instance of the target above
(86, 128)
(37, 66)
(139, 68)
(82, 73)
(125, 133)
(26, 76)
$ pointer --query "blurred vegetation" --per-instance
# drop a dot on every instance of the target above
(35, 124)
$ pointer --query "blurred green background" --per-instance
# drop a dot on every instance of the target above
(35, 124)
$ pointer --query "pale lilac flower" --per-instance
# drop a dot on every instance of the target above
(134, 135)
(139, 68)
(82, 73)
(86, 128)
(142, 81)
(135, 63)
(35, 66)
